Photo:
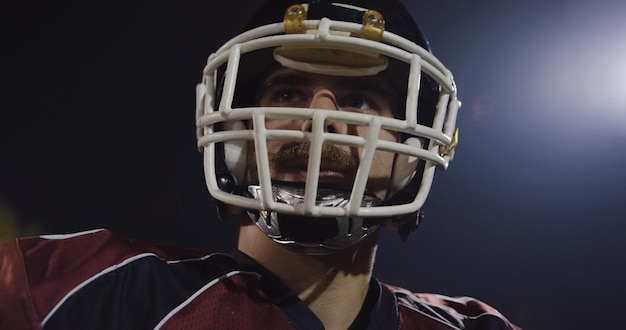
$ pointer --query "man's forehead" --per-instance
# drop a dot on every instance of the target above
(288, 75)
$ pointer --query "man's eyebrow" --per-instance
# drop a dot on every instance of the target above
(369, 84)
(286, 77)
(378, 85)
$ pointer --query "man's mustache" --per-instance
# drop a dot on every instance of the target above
(330, 153)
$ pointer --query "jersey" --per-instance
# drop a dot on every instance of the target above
(98, 280)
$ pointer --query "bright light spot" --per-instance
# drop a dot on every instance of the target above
(583, 74)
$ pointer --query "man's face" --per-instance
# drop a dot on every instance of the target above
(288, 160)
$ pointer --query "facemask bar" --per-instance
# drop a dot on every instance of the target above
(391, 46)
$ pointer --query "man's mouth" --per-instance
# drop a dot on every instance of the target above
(329, 172)
(291, 164)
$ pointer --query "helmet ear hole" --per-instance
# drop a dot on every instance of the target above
(405, 166)
(236, 152)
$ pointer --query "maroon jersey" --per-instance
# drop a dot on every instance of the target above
(98, 280)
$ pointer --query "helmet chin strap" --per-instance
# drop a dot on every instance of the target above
(313, 235)
(317, 235)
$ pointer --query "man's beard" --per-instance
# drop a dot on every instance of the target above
(283, 160)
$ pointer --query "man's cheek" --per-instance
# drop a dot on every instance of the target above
(251, 172)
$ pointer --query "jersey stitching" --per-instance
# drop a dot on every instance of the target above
(93, 278)
(199, 292)
(404, 302)
(65, 236)
(464, 300)
(439, 319)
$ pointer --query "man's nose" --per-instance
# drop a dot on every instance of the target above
(324, 99)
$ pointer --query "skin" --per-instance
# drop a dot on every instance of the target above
(288, 161)
(333, 286)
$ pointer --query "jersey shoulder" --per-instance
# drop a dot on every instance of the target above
(444, 312)
(37, 272)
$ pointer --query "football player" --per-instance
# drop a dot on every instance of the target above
(320, 125)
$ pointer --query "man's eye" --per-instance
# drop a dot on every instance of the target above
(282, 97)
(286, 96)
(356, 102)
(360, 103)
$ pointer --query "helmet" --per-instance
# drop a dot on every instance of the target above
(352, 40)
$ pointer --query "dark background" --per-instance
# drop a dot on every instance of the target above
(97, 130)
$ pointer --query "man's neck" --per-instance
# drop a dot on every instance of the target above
(334, 286)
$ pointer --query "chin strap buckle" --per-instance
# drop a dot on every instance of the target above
(293, 22)
(444, 150)
(373, 26)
